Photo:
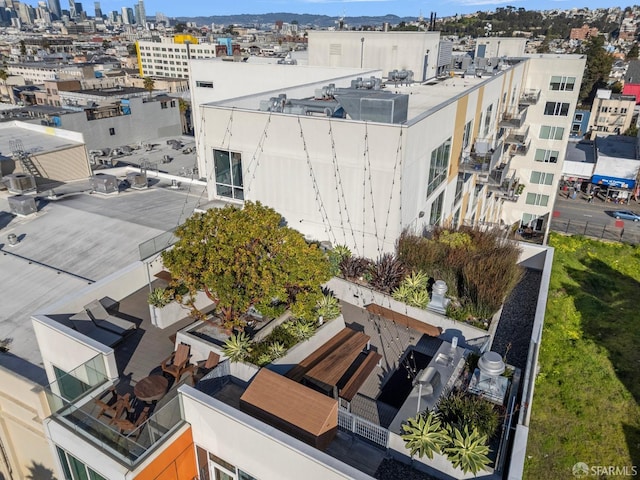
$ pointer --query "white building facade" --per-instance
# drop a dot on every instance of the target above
(469, 150)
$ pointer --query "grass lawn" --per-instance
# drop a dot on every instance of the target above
(587, 393)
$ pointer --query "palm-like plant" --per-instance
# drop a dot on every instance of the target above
(277, 350)
(468, 451)
(402, 293)
(342, 251)
(418, 298)
(328, 307)
(237, 347)
(416, 279)
(159, 298)
(303, 330)
(387, 273)
(424, 435)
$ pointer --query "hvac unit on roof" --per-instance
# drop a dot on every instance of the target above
(20, 183)
(22, 205)
(104, 184)
(137, 180)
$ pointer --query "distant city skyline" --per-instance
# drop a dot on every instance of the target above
(348, 8)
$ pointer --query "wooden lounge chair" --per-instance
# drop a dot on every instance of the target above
(104, 320)
(201, 368)
(127, 427)
(177, 363)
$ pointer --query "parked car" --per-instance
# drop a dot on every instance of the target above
(626, 215)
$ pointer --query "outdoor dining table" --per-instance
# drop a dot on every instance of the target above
(151, 388)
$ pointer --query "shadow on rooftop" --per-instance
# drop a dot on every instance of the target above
(22, 367)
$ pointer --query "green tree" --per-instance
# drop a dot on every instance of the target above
(23, 48)
(597, 69)
(633, 52)
(132, 49)
(243, 257)
(617, 87)
(149, 84)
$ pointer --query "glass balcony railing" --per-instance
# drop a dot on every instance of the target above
(130, 448)
(72, 386)
(519, 148)
(481, 162)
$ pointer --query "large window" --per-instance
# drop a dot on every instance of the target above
(562, 83)
(466, 136)
(537, 199)
(547, 156)
(228, 166)
(74, 469)
(436, 210)
(558, 109)
(487, 121)
(70, 387)
(459, 188)
(542, 178)
(551, 133)
(439, 166)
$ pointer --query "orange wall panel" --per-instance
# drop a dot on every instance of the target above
(176, 461)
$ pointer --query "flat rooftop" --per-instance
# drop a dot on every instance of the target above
(32, 140)
(618, 146)
(580, 152)
(73, 241)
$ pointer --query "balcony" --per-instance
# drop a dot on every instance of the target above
(513, 118)
(519, 149)
(506, 184)
(529, 97)
(518, 137)
(482, 159)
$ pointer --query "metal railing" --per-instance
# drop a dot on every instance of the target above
(353, 423)
(157, 244)
(595, 230)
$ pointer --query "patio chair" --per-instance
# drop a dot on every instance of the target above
(127, 427)
(114, 407)
(177, 363)
(104, 320)
(201, 368)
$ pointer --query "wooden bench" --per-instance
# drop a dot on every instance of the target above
(298, 372)
(360, 375)
(404, 320)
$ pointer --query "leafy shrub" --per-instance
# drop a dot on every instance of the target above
(418, 298)
(479, 267)
(305, 305)
(459, 410)
(413, 290)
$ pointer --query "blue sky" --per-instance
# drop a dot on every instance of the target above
(409, 8)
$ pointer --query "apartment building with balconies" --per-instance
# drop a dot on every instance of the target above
(474, 147)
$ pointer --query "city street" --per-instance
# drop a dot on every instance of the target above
(594, 219)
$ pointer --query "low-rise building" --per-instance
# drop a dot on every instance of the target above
(611, 113)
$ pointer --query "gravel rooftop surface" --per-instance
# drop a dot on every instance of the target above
(516, 321)
(391, 469)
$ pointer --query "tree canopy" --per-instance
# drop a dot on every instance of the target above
(597, 69)
(243, 257)
(149, 84)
